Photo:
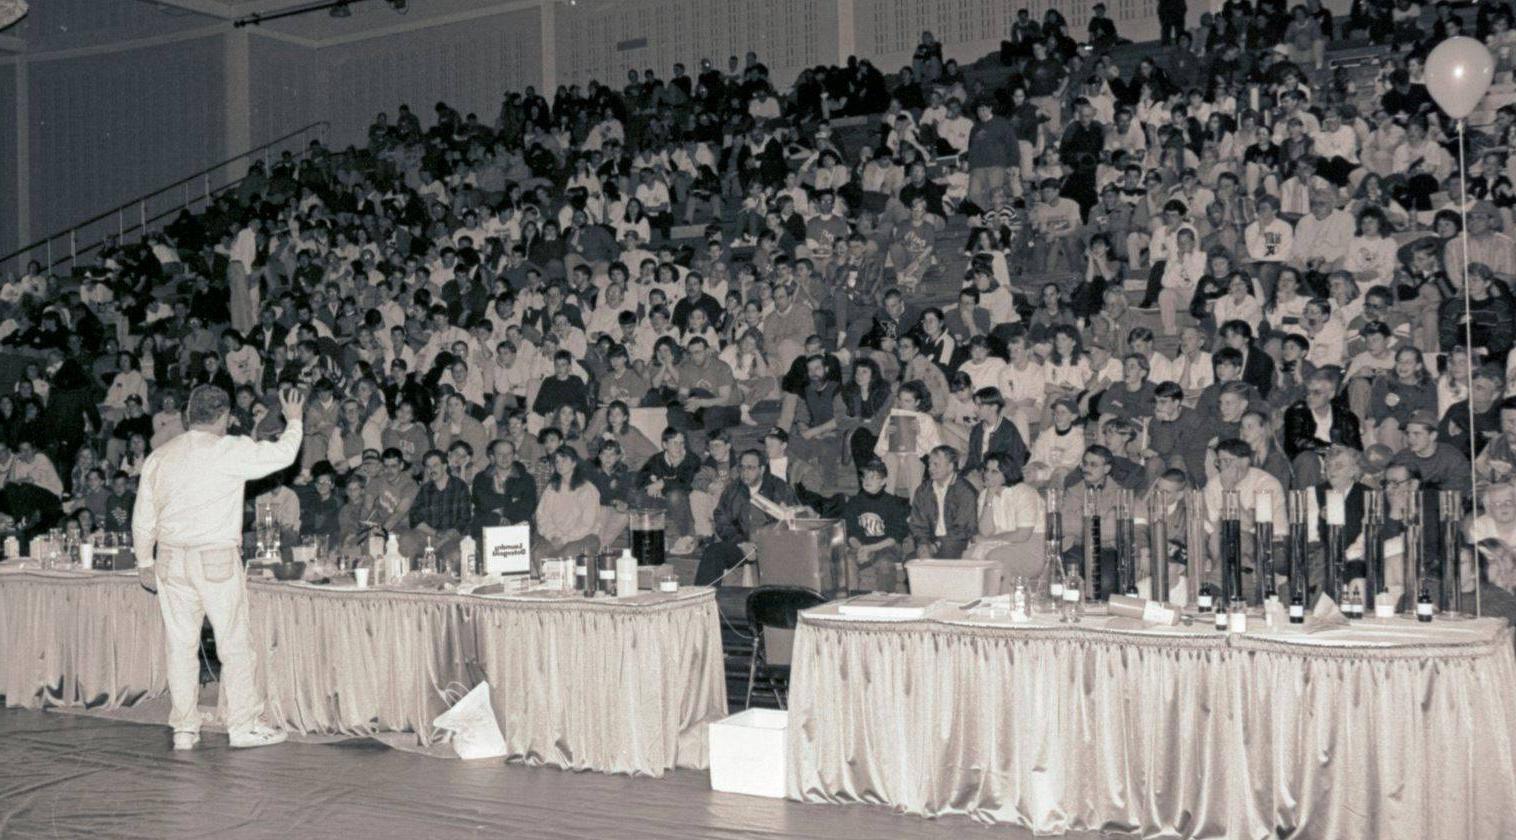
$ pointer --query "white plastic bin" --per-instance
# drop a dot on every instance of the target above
(954, 580)
(748, 753)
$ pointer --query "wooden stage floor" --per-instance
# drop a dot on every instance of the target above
(67, 776)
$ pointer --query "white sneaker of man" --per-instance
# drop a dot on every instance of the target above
(258, 735)
(186, 740)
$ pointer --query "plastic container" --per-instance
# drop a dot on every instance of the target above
(748, 753)
(954, 580)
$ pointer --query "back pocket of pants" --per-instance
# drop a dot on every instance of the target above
(218, 564)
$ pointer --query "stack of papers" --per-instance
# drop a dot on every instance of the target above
(887, 606)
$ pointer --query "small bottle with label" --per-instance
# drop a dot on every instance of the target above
(1055, 586)
(1424, 605)
(1356, 602)
(1222, 620)
(429, 556)
(1204, 601)
(1019, 601)
(1237, 622)
(1297, 609)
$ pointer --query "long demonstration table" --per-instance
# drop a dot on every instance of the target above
(1381, 730)
(623, 686)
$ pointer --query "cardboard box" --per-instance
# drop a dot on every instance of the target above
(749, 752)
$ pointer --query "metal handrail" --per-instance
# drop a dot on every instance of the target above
(144, 221)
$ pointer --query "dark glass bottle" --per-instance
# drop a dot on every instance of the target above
(1297, 609)
(1424, 605)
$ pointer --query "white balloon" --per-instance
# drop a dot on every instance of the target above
(1458, 72)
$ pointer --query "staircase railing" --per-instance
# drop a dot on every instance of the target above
(142, 215)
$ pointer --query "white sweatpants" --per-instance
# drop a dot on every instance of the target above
(193, 584)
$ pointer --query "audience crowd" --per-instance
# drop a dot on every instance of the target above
(900, 299)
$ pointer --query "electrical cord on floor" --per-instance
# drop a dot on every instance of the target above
(749, 557)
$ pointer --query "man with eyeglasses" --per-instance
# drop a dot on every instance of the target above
(1097, 494)
(1235, 473)
(737, 519)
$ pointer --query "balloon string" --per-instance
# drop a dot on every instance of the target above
(1468, 332)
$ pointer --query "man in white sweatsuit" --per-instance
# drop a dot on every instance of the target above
(189, 507)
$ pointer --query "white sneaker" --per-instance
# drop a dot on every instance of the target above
(186, 740)
(258, 735)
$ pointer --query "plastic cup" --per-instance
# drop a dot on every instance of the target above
(360, 576)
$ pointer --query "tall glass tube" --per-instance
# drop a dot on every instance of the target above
(1231, 547)
(1411, 559)
(1450, 506)
(1158, 545)
(1194, 545)
(1336, 521)
(1126, 544)
(1373, 546)
(1090, 569)
(1298, 548)
(1053, 547)
(1263, 549)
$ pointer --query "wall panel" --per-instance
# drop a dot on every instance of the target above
(106, 128)
(602, 40)
(8, 241)
(285, 88)
(470, 65)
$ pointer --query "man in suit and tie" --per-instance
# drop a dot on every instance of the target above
(993, 433)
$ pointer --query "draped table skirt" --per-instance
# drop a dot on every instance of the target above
(1378, 731)
(614, 685)
(69, 639)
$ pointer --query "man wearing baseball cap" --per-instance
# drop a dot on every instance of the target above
(1440, 465)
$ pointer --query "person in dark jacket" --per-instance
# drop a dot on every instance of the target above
(737, 519)
(943, 529)
(504, 492)
(876, 531)
(994, 155)
(993, 433)
(72, 408)
(1316, 422)
(1492, 313)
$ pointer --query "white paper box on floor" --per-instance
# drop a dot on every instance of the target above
(508, 550)
(748, 753)
(954, 580)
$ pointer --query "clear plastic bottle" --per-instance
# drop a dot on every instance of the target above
(1019, 600)
(1073, 602)
(429, 556)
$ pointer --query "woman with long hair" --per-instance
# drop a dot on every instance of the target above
(909, 433)
(568, 512)
(1066, 371)
(614, 426)
(663, 374)
(1396, 396)
(344, 449)
(865, 397)
(1010, 522)
(756, 381)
